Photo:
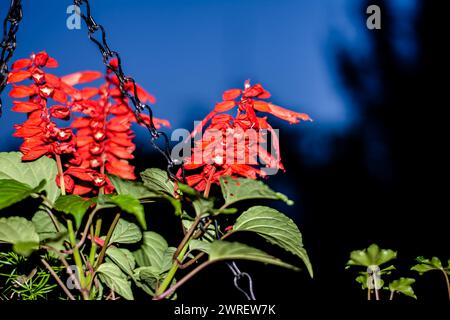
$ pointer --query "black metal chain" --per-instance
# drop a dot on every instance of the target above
(237, 273)
(97, 34)
(8, 44)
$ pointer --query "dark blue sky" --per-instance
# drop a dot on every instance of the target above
(188, 52)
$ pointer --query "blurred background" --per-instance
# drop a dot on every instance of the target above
(366, 170)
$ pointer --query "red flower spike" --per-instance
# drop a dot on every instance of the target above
(238, 159)
(18, 76)
(60, 112)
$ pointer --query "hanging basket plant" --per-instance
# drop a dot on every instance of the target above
(89, 229)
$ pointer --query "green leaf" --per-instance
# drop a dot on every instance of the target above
(122, 258)
(154, 252)
(131, 188)
(403, 285)
(373, 255)
(220, 250)
(426, 265)
(20, 233)
(203, 206)
(149, 278)
(158, 181)
(47, 232)
(126, 232)
(276, 228)
(115, 279)
(131, 205)
(239, 189)
(30, 173)
(74, 205)
(12, 191)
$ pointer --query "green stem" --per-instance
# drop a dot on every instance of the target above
(101, 256)
(447, 282)
(392, 295)
(76, 256)
(94, 234)
(171, 274)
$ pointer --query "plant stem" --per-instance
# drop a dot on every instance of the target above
(187, 236)
(61, 174)
(181, 282)
(94, 234)
(76, 256)
(208, 183)
(61, 284)
(392, 295)
(377, 297)
(368, 294)
(447, 282)
(108, 237)
(168, 279)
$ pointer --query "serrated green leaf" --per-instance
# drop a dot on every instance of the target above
(122, 258)
(220, 250)
(20, 233)
(74, 205)
(403, 285)
(373, 255)
(131, 205)
(31, 172)
(126, 232)
(115, 279)
(426, 265)
(132, 188)
(12, 191)
(154, 252)
(157, 180)
(276, 228)
(239, 189)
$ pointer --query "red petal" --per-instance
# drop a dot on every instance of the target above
(35, 153)
(51, 63)
(59, 96)
(21, 63)
(224, 106)
(80, 123)
(88, 93)
(81, 190)
(144, 96)
(23, 106)
(81, 77)
(288, 115)
(261, 106)
(22, 91)
(231, 94)
(53, 80)
(17, 76)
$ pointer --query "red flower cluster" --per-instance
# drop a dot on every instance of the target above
(102, 142)
(231, 146)
(40, 133)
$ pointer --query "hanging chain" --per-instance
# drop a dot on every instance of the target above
(97, 34)
(8, 44)
(238, 274)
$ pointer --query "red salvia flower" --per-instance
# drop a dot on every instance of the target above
(230, 146)
(97, 143)
(40, 133)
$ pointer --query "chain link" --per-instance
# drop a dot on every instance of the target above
(8, 44)
(97, 34)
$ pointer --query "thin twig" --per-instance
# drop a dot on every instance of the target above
(61, 284)
(107, 239)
